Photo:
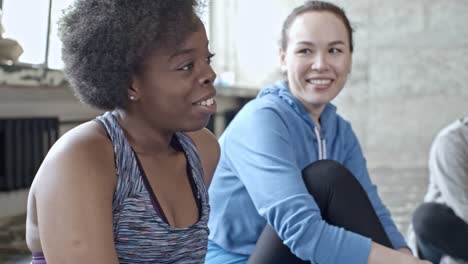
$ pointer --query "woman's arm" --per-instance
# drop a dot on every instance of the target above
(384, 255)
(356, 163)
(259, 148)
(379, 254)
(73, 192)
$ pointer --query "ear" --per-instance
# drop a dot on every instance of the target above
(283, 60)
(134, 89)
(350, 67)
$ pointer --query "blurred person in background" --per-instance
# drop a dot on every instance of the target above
(439, 230)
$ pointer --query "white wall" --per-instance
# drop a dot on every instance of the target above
(410, 75)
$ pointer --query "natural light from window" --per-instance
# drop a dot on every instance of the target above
(55, 47)
(31, 33)
(26, 22)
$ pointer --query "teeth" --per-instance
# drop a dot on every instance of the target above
(206, 102)
(319, 82)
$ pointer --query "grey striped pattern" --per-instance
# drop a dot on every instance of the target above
(140, 235)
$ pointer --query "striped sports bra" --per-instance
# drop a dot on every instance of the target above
(141, 233)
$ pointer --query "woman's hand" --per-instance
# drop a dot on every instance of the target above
(408, 252)
(405, 251)
(384, 255)
(420, 261)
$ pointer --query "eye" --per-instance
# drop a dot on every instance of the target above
(304, 51)
(186, 67)
(335, 50)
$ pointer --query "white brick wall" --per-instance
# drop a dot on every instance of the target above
(410, 67)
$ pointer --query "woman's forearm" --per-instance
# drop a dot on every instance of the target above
(384, 255)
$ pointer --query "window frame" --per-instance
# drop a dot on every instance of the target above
(40, 74)
(45, 62)
(23, 74)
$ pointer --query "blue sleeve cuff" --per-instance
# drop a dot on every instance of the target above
(355, 249)
(397, 240)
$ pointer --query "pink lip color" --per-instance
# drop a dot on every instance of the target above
(320, 87)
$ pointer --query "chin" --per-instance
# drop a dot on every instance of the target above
(322, 99)
(194, 126)
(318, 101)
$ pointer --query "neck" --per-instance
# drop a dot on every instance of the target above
(315, 118)
(315, 111)
(144, 138)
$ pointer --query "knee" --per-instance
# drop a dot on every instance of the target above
(429, 217)
(328, 173)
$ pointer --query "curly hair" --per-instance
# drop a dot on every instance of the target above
(320, 6)
(106, 41)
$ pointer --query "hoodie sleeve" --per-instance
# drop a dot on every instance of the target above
(260, 151)
(356, 163)
(448, 168)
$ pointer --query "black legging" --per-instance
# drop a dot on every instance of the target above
(439, 231)
(342, 202)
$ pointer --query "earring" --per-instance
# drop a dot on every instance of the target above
(133, 98)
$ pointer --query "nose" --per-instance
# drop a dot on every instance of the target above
(320, 62)
(208, 76)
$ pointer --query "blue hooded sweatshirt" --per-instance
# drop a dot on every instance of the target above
(258, 181)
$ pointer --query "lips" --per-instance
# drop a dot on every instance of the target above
(319, 81)
(207, 102)
(206, 105)
(207, 99)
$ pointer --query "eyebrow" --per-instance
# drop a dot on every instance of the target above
(183, 52)
(336, 42)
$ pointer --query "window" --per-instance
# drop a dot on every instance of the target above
(32, 33)
(55, 45)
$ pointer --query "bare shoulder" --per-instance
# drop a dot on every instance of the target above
(204, 139)
(83, 154)
(208, 149)
(76, 179)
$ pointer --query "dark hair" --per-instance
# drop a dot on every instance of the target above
(319, 6)
(105, 43)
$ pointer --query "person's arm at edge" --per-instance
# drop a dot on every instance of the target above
(383, 255)
(75, 202)
(449, 169)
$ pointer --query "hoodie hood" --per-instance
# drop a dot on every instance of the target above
(281, 90)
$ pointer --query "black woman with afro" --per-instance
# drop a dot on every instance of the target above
(131, 185)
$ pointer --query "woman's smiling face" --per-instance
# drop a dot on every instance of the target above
(176, 89)
(317, 58)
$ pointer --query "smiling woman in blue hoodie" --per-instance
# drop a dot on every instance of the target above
(292, 182)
